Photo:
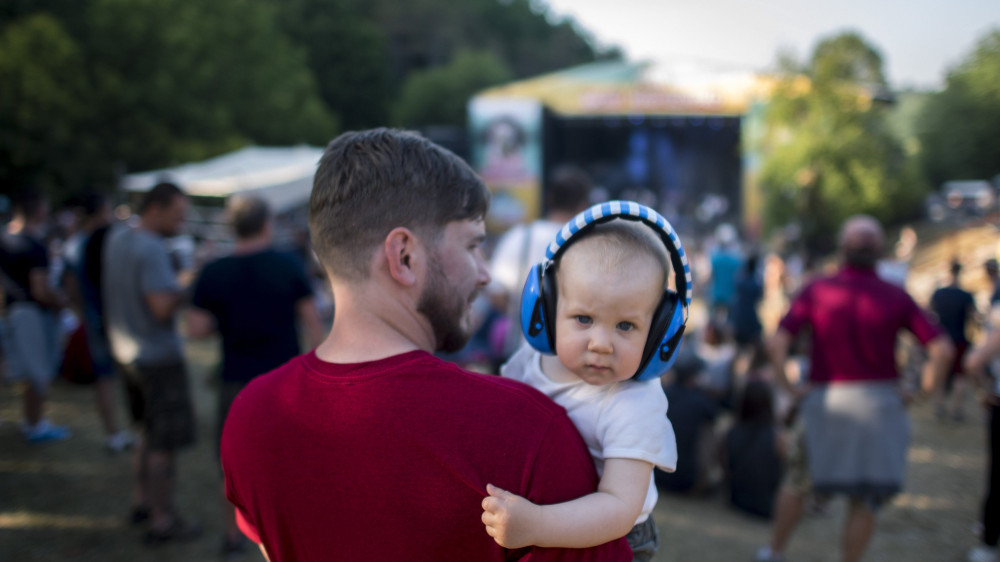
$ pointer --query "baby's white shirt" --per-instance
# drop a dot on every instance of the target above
(627, 419)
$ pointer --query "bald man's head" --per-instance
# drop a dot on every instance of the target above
(861, 241)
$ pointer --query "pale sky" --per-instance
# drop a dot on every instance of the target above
(918, 39)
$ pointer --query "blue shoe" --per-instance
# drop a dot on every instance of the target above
(983, 553)
(44, 431)
(764, 554)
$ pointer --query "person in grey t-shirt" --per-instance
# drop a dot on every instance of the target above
(141, 298)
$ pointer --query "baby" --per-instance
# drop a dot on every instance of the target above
(609, 282)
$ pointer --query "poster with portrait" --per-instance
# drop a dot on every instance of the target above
(506, 150)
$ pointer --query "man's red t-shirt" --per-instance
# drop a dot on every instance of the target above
(855, 319)
(389, 460)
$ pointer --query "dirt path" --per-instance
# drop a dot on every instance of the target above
(931, 521)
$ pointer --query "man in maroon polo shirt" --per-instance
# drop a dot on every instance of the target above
(853, 407)
(369, 447)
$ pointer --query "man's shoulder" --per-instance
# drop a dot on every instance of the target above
(219, 267)
(139, 239)
(475, 388)
(286, 262)
(21, 243)
(502, 397)
(270, 261)
(957, 293)
(266, 385)
(502, 391)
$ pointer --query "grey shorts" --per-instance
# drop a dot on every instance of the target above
(644, 539)
(31, 344)
(159, 398)
(857, 435)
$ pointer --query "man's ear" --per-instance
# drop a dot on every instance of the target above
(401, 253)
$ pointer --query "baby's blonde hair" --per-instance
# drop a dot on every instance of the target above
(612, 245)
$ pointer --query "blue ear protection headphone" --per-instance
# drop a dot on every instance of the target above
(538, 300)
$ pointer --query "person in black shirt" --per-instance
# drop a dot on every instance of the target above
(692, 413)
(255, 299)
(954, 308)
(752, 451)
(30, 328)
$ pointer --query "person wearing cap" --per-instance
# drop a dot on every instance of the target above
(853, 408)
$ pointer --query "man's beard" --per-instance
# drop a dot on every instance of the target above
(444, 309)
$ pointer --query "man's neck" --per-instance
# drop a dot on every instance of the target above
(371, 323)
(146, 225)
(251, 245)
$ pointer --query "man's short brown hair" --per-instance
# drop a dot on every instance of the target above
(370, 182)
(247, 215)
(161, 195)
(568, 190)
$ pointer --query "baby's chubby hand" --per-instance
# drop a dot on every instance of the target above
(509, 518)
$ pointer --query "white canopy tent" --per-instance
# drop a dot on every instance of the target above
(282, 176)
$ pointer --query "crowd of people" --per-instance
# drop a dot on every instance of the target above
(101, 302)
(589, 391)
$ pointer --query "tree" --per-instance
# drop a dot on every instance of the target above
(524, 34)
(109, 85)
(958, 127)
(93, 88)
(43, 109)
(829, 151)
(438, 96)
(347, 54)
(181, 80)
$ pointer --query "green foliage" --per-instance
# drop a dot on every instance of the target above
(347, 54)
(439, 96)
(846, 58)
(959, 126)
(829, 152)
(523, 33)
(904, 116)
(190, 79)
(98, 87)
(43, 109)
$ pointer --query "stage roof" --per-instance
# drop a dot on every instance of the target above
(642, 88)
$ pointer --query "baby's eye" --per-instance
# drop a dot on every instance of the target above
(625, 326)
(585, 320)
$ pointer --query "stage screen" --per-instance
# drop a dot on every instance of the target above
(687, 167)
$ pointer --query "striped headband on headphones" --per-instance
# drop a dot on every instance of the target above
(634, 211)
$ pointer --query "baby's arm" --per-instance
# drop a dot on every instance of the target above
(594, 519)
